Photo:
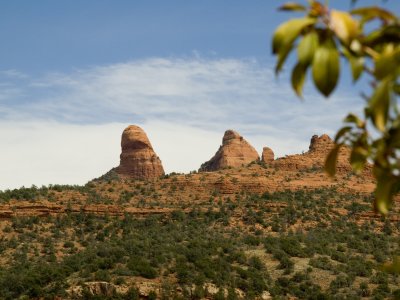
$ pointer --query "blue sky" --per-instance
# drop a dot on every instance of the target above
(74, 73)
(54, 35)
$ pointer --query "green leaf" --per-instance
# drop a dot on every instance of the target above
(396, 89)
(357, 67)
(384, 193)
(387, 64)
(356, 62)
(287, 32)
(378, 106)
(307, 47)
(292, 6)
(282, 58)
(298, 78)
(385, 34)
(358, 157)
(326, 67)
(331, 159)
(381, 162)
(342, 132)
(344, 26)
(352, 118)
(394, 136)
(373, 12)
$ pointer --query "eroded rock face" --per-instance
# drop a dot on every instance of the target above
(100, 288)
(93, 288)
(138, 159)
(315, 157)
(267, 155)
(234, 152)
(321, 144)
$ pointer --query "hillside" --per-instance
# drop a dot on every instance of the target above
(269, 228)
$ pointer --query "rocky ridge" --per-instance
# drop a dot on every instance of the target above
(315, 157)
(141, 167)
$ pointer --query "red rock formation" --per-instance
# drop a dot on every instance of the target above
(315, 157)
(138, 159)
(234, 152)
(267, 155)
(321, 144)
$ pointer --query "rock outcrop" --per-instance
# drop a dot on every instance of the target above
(315, 157)
(138, 159)
(267, 155)
(93, 288)
(234, 152)
(321, 144)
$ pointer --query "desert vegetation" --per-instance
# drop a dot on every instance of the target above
(286, 243)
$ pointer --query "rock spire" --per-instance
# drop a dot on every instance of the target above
(138, 159)
(267, 155)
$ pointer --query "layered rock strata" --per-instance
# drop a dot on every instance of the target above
(234, 152)
(315, 157)
(138, 159)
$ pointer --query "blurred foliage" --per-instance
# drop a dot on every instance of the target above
(368, 38)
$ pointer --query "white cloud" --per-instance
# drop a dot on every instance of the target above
(48, 152)
(41, 152)
(65, 127)
(198, 92)
(12, 73)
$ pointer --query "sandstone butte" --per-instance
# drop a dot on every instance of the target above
(234, 152)
(138, 159)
